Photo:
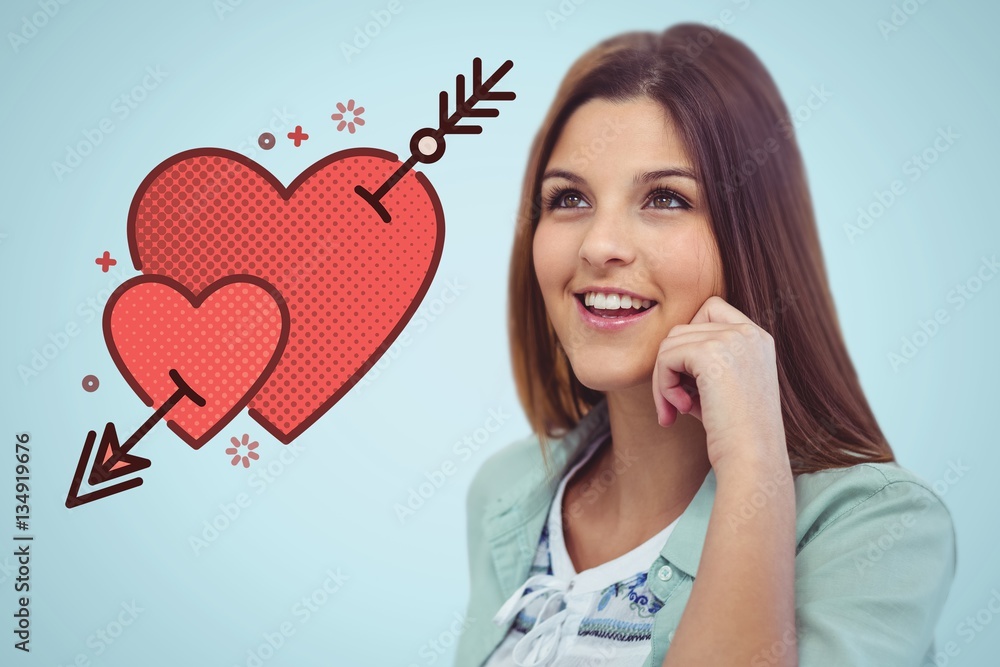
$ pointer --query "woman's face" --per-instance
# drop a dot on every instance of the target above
(622, 215)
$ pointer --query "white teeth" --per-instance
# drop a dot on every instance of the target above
(604, 301)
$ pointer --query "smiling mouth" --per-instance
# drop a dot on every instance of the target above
(618, 311)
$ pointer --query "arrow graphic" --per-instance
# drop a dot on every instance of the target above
(113, 459)
(427, 144)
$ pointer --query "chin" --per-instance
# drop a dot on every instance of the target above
(606, 378)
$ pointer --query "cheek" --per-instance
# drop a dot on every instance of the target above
(552, 256)
(687, 267)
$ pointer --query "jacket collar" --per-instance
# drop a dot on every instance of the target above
(683, 547)
(513, 521)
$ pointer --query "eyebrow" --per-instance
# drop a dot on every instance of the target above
(637, 179)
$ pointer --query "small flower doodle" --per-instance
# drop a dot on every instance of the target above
(349, 124)
(235, 450)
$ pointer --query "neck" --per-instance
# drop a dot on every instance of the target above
(655, 471)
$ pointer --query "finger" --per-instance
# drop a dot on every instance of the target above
(671, 363)
(717, 309)
(704, 327)
(685, 337)
(690, 387)
(665, 413)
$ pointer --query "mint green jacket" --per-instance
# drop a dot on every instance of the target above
(875, 555)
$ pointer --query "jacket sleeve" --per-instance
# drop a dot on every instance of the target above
(872, 581)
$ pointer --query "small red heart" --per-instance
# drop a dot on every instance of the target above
(224, 342)
(351, 281)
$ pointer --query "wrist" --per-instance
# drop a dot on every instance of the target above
(755, 463)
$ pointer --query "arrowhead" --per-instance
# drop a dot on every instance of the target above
(110, 462)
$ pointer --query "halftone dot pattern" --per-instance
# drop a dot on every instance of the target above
(220, 348)
(347, 277)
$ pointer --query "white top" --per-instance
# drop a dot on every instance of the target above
(564, 618)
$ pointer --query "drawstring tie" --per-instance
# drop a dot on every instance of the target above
(538, 646)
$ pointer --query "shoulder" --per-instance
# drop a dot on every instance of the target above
(879, 519)
(873, 490)
(504, 469)
(875, 559)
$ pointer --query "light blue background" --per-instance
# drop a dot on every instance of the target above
(332, 507)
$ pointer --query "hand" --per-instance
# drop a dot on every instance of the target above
(735, 383)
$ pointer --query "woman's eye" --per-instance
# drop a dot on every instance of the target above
(570, 200)
(564, 199)
(665, 197)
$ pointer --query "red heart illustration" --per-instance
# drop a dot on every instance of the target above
(224, 342)
(351, 281)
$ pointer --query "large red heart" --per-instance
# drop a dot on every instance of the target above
(223, 343)
(351, 281)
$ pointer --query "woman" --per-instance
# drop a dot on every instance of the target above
(706, 475)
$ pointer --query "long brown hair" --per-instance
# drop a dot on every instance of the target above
(740, 136)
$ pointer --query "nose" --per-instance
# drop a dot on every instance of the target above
(607, 241)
